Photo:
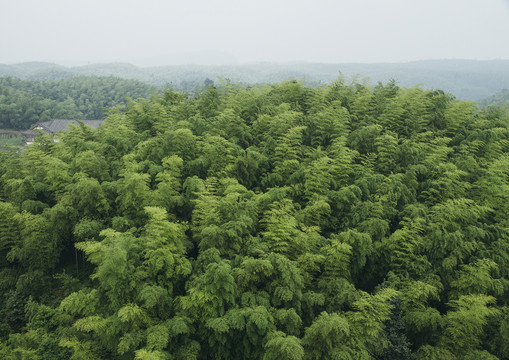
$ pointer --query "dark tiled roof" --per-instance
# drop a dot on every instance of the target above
(58, 125)
(29, 132)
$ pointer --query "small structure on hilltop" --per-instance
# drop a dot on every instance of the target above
(55, 126)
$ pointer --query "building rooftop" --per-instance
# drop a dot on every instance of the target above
(58, 125)
(55, 126)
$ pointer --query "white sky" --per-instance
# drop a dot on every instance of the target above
(334, 31)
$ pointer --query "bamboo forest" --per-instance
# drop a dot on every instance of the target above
(280, 221)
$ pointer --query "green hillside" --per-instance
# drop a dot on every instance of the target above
(274, 222)
(26, 102)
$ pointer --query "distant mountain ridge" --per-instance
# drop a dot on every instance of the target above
(466, 79)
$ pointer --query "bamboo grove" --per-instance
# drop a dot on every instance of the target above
(278, 222)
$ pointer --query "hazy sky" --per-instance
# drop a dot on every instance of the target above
(334, 31)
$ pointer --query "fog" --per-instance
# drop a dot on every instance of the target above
(157, 32)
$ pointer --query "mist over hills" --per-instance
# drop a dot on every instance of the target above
(466, 79)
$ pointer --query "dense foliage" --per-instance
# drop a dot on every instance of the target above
(11, 139)
(283, 222)
(24, 103)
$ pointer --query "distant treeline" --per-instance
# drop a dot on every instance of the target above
(499, 99)
(25, 102)
(35, 92)
(465, 79)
